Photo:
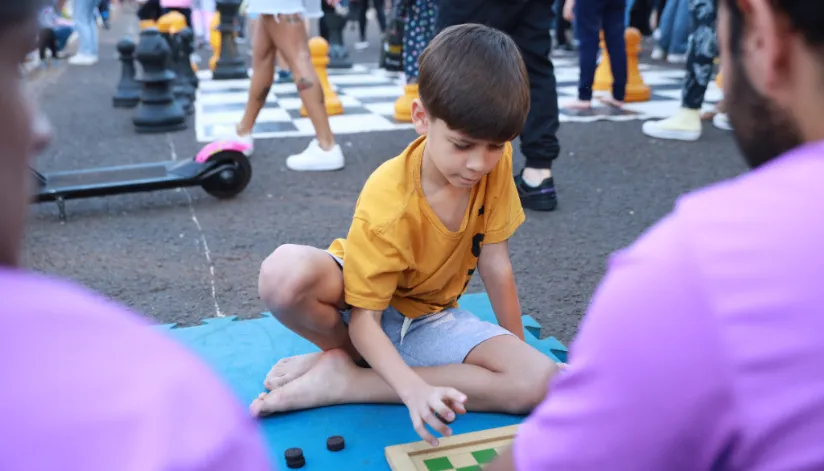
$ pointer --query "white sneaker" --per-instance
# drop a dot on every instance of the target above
(83, 59)
(360, 45)
(677, 58)
(658, 53)
(313, 158)
(722, 121)
(684, 125)
(232, 135)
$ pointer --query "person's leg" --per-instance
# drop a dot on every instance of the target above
(288, 33)
(665, 29)
(363, 7)
(502, 374)
(420, 28)
(528, 23)
(702, 50)
(380, 13)
(43, 41)
(616, 47)
(680, 32)
(61, 36)
(263, 69)
(539, 138)
(86, 25)
(284, 70)
(303, 288)
(589, 18)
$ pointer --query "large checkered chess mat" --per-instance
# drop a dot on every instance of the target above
(368, 95)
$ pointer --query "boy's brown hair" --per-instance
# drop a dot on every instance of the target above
(474, 79)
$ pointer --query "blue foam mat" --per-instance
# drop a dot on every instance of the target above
(242, 352)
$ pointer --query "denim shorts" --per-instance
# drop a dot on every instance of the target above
(440, 338)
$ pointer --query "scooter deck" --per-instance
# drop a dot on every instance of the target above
(118, 180)
(106, 176)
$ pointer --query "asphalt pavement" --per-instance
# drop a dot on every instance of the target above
(182, 256)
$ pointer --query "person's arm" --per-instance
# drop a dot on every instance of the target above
(376, 348)
(422, 399)
(647, 386)
(495, 269)
(373, 261)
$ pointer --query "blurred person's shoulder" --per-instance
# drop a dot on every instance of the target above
(93, 384)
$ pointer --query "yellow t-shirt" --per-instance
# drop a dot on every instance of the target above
(399, 253)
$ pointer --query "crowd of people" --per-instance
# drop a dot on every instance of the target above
(701, 349)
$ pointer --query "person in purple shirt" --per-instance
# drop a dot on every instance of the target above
(85, 384)
(703, 348)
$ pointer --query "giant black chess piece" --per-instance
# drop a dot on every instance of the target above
(182, 87)
(158, 111)
(127, 94)
(187, 47)
(338, 55)
(230, 64)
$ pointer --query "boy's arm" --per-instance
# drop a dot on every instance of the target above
(422, 399)
(495, 269)
(376, 348)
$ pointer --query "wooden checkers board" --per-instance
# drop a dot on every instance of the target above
(464, 452)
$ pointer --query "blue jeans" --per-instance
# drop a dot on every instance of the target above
(592, 16)
(675, 27)
(85, 21)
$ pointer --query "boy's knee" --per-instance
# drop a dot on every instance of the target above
(528, 391)
(284, 277)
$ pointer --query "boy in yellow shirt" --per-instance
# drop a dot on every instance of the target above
(382, 304)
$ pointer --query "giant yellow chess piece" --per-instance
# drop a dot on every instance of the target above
(215, 40)
(146, 24)
(603, 74)
(636, 89)
(319, 50)
(171, 22)
(403, 105)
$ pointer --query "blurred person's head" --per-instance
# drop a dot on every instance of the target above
(772, 54)
(23, 132)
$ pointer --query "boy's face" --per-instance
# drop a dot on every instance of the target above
(23, 134)
(462, 160)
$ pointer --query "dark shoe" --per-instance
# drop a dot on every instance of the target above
(537, 198)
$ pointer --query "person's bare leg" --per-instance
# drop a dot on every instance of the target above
(282, 64)
(263, 69)
(503, 374)
(288, 34)
(303, 288)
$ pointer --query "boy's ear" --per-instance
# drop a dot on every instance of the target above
(420, 118)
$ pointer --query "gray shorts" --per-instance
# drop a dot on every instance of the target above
(440, 338)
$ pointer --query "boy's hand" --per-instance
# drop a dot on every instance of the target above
(424, 401)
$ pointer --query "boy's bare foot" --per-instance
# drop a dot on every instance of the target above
(579, 105)
(610, 101)
(324, 384)
(287, 369)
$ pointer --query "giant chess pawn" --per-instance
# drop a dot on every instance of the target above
(182, 87)
(158, 111)
(127, 94)
(230, 64)
(187, 47)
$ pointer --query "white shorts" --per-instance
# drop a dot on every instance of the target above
(308, 8)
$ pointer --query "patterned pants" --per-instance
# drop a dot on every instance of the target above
(419, 30)
(702, 50)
